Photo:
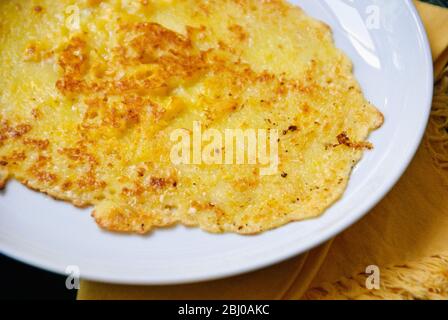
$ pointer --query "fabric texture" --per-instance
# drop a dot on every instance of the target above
(405, 236)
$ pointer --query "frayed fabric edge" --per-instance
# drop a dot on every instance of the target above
(436, 138)
(426, 279)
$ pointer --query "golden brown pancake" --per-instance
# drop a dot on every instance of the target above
(91, 92)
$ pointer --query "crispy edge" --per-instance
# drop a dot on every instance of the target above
(113, 218)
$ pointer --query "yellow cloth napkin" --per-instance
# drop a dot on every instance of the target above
(436, 21)
(406, 235)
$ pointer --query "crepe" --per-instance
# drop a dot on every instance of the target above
(92, 92)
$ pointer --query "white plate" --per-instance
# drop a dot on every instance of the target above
(393, 64)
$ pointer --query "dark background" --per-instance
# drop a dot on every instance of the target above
(443, 3)
(19, 281)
